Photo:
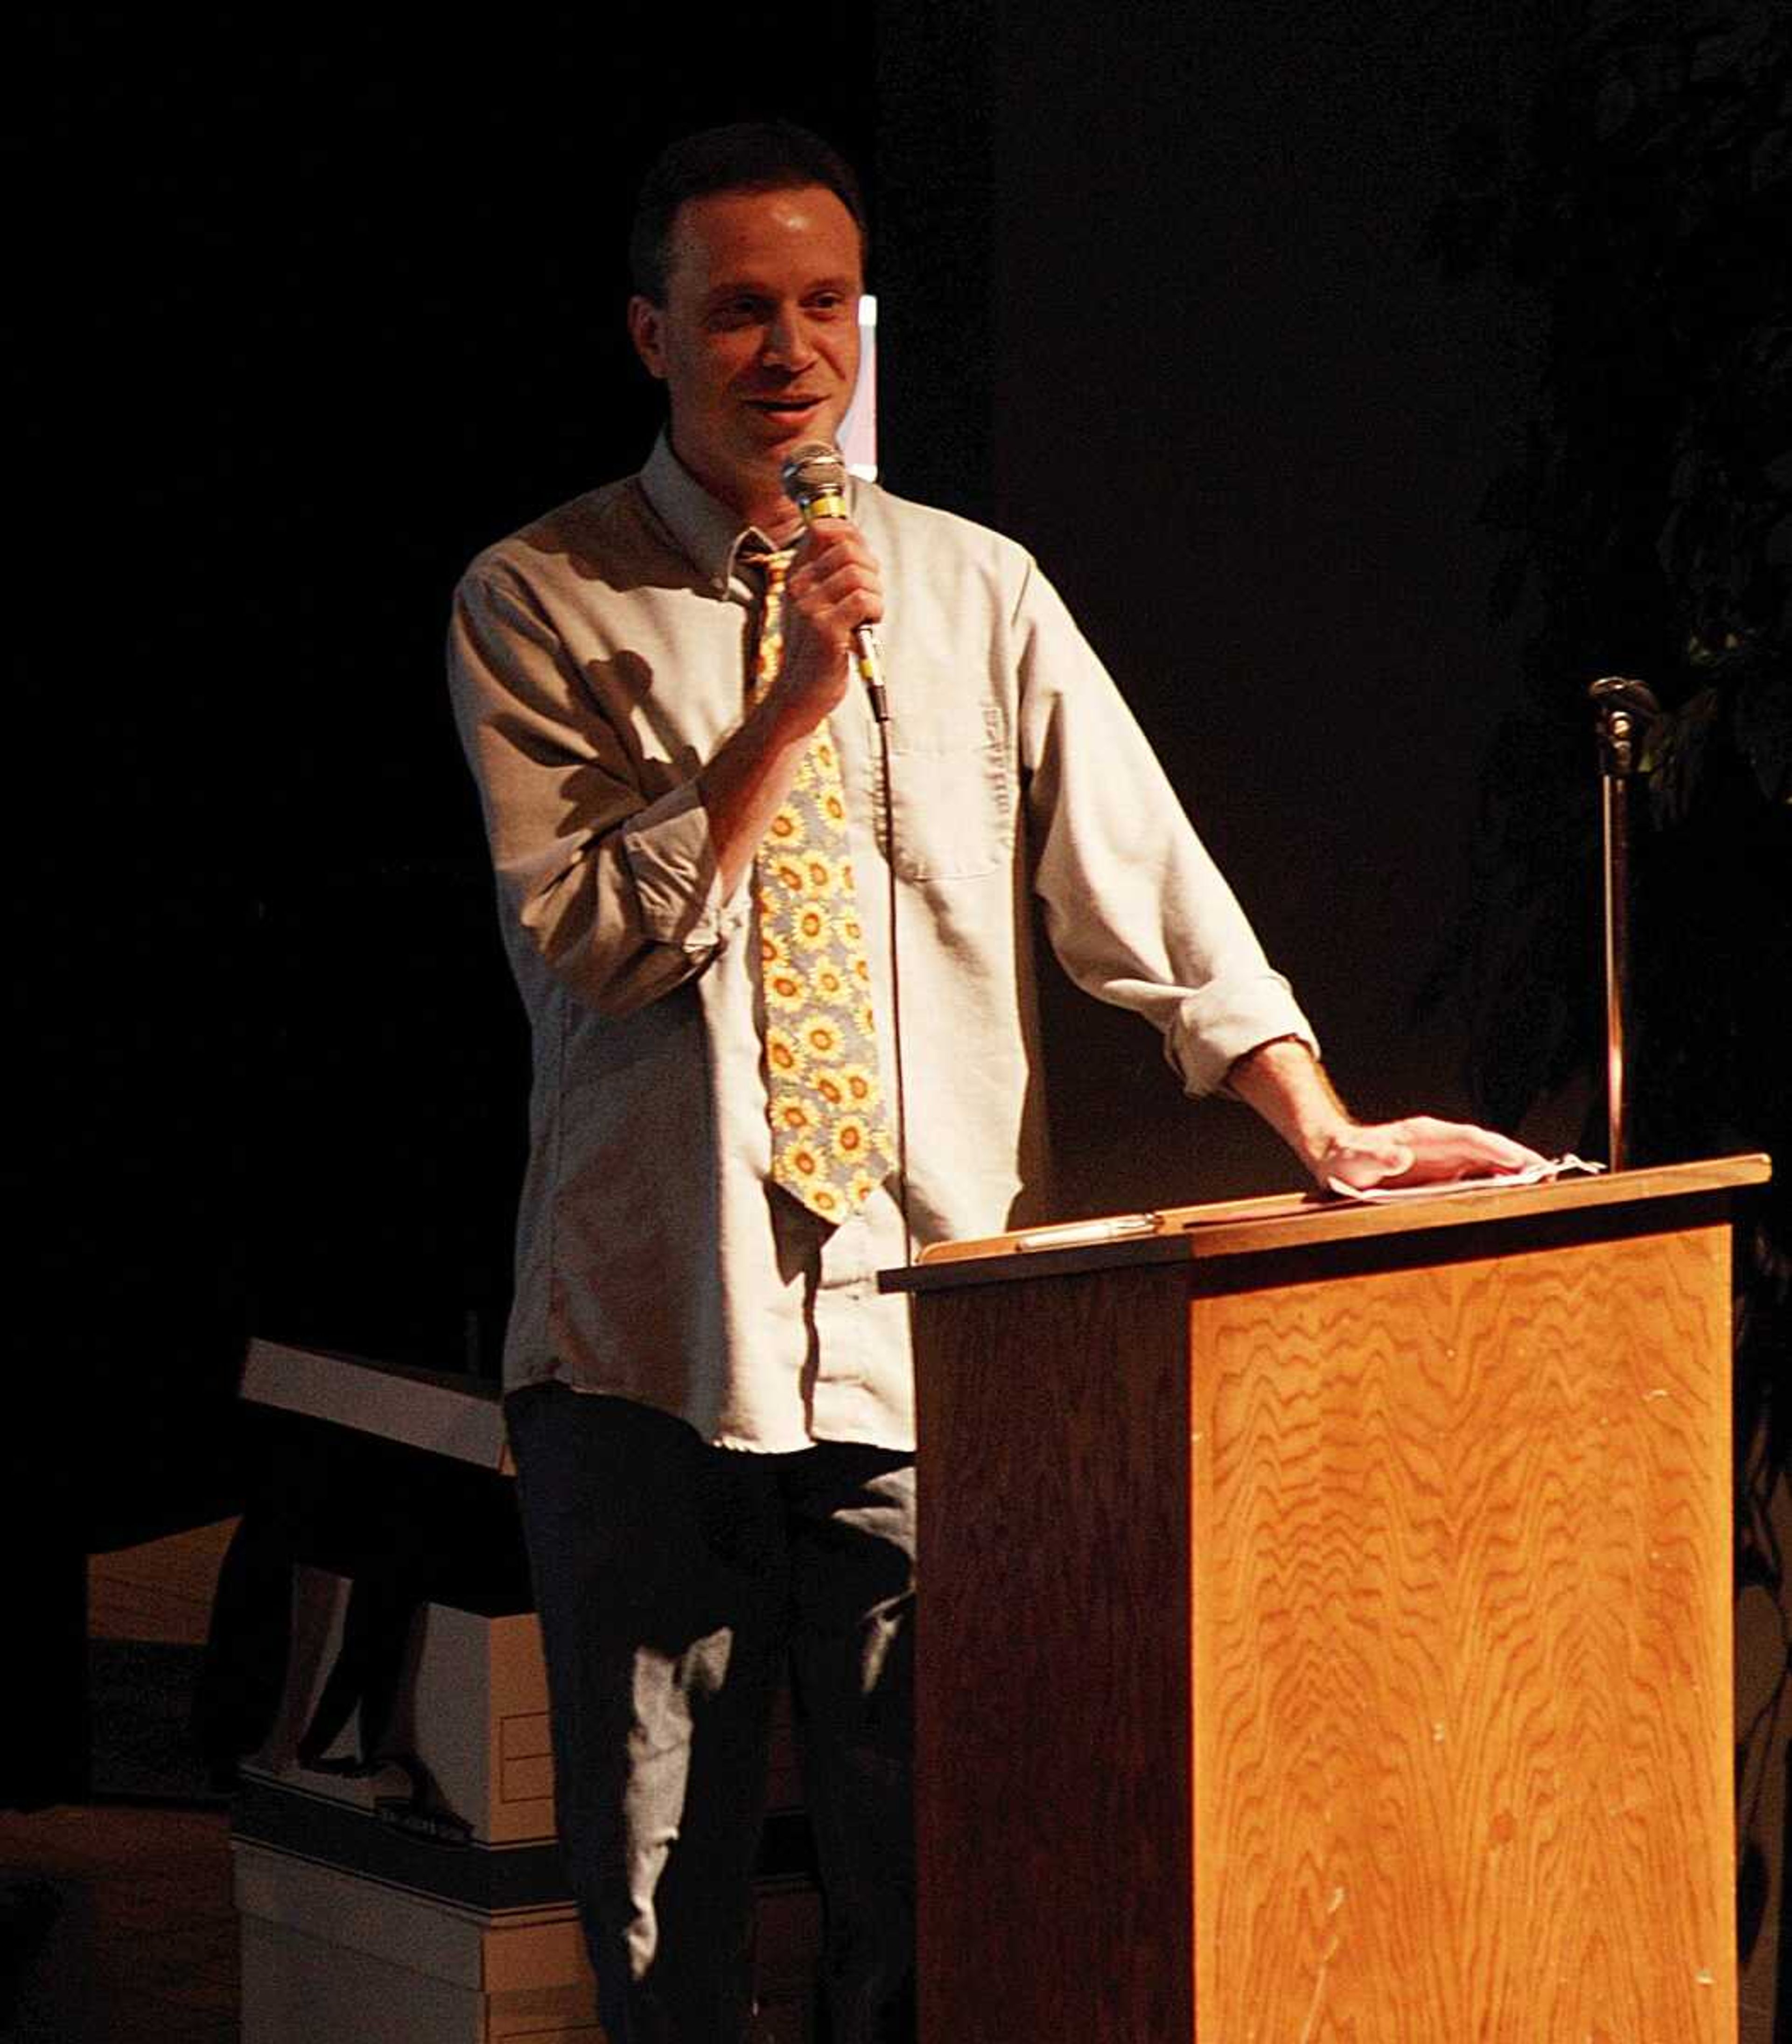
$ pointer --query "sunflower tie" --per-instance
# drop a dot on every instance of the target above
(831, 1146)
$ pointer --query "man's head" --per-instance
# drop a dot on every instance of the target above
(748, 250)
(746, 156)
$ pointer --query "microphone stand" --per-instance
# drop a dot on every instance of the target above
(1625, 709)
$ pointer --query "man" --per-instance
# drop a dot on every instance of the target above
(710, 1401)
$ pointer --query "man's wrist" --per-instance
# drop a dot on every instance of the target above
(1287, 1086)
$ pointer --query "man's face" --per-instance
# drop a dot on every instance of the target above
(757, 340)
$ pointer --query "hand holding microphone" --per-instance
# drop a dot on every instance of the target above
(841, 572)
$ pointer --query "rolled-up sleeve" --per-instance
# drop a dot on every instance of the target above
(672, 857)
(1137, 912)
(617, 894)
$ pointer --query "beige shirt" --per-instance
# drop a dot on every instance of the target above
(598, 659)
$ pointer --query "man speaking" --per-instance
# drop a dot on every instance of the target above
(697, 838)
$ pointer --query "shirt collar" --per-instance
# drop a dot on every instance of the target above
(710, 536)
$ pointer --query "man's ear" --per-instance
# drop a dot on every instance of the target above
(645, 323)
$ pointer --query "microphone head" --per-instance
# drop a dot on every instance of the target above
(814, 479)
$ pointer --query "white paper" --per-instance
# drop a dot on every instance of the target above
(1533, 1174)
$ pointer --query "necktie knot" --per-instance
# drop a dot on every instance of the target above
(773, 567)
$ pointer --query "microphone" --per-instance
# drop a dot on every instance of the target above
(814, 479)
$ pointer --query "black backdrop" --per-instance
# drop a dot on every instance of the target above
(317, 313)
(331, 310)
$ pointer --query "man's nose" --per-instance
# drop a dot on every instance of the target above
(787, 339)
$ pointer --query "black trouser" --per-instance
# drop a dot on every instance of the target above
(676, 1582)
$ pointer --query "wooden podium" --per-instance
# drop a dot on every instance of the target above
(1325, 1624)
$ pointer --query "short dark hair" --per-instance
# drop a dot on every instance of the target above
(746, 155)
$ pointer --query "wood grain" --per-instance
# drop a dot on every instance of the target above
(1461, 1651)
(1333, 1642)
(1052, 1792)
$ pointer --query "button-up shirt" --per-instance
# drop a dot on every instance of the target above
(598, 658)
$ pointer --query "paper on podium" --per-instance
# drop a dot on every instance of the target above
(1533, 1174)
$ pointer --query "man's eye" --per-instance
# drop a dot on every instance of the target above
(734, 313)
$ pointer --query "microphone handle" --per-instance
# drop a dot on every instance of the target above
(869, 663)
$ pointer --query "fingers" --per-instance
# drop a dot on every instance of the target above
(1462, 1148)
(1423, 1150)
(832, 589)
(1370, 1157)
(835, 585)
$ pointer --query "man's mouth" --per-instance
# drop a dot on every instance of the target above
(785, 405)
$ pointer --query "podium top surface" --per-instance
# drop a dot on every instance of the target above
(1294, 1220)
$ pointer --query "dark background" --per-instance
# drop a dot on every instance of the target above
(315, 314)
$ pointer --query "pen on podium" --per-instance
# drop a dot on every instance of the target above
(1086, 1233)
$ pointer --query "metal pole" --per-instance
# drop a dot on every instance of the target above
(1625, 708)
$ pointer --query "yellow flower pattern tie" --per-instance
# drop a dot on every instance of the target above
(831, 1145)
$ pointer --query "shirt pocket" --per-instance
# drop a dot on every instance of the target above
(954, 793)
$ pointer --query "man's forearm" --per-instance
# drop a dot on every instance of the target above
(747, 780)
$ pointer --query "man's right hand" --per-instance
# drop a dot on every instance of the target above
(833, 587)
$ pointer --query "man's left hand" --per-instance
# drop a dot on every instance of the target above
(1419, 1150)
(1287, 1086)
